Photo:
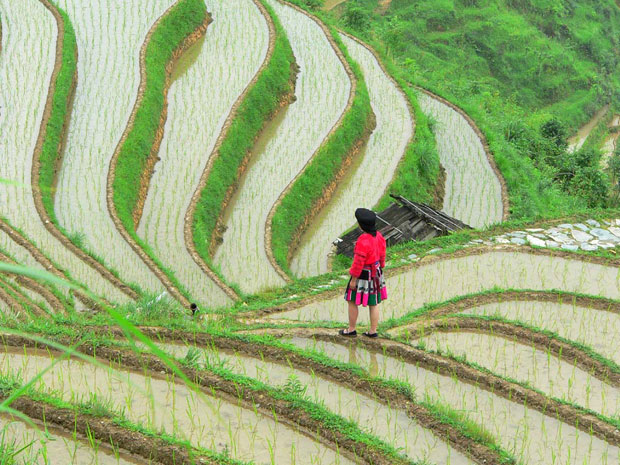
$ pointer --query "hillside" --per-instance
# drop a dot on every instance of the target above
(513, 66)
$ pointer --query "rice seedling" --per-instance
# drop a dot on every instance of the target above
(196, 114)
(108, 80)
(46, 445)
(472, 191)
(171, 406)
(322, 91)
(595, 328)
(26, 64)
(391, 425)
(450, 277)
(529, 435)
(378, 160)
(540, 369)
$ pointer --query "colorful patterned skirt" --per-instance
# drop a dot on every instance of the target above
(370, 291)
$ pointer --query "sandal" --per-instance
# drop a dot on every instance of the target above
(367, 334)
(343, 332)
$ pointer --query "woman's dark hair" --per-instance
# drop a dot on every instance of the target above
(367, 219)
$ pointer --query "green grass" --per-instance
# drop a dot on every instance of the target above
(260, 104)
(51, 150)
(512, 66)
(181, 21)
(59, 117)
(307, 190)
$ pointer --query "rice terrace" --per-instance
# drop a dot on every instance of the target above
(188, 188)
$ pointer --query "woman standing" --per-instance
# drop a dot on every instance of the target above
(366, 286)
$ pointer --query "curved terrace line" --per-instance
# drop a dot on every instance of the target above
(448, 157)
(158, 218)
(41, 441)
(24, 99)
(437, 278)
(370, 387)
(109, 80)
(268, 222)
(191, 210)
(31, 309)
(55, 303)
(107, 431)
(596, 330)
(441, 365)
(211, 386)
(36, 159)
(172, 288)
(512, 331)
(312, 257)
(323, 82)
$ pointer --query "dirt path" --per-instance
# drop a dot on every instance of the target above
(577, 141)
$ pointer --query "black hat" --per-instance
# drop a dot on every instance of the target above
(367, 220)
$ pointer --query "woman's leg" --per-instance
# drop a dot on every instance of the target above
(374, 318)
(353, 313)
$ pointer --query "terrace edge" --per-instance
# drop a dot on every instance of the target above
(170, 283)
(357, 94)
(47, 218)
(276, 38)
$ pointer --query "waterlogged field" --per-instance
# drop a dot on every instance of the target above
(26, 64)
(216, 423)
(530, 436)
(453, 277)
(433, 389)
(57, 446)
(322, 92)
(520, 361)
(472, 191)
(109, 40)
(599, 329)
(198, 106)
(386, 423)
(366, 184)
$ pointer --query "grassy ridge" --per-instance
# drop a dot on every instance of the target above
(260, 104)
(512, 66)
(291, 214)
(54, 131)
(178, 24)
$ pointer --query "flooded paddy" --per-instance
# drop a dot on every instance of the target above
(109, 40)
(595, 328)
(163, 404)
(530, 436)
(46, 444)
(322, 92)
(26, 65)
(198, 106)
(452, 277)
(391, 425)
(367, 182)
(540, 369)
(473, 192)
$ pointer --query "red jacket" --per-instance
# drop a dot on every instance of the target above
(369, 249)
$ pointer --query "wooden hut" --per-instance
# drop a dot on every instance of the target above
(404, 221)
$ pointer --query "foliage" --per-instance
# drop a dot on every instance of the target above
(513, 67)
(261, 102)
